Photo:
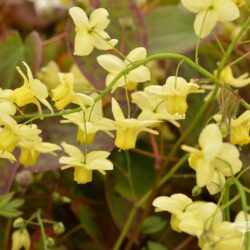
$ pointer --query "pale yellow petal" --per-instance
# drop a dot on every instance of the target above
(99, 19)
(83, 44)
(79, 17)
(211, 141)
(136, 54)
(205, 22)
(227, 11)
(111, 63)
(117, 111)
(196, 6)
(204, 173)
(140, 74)
(72, 150)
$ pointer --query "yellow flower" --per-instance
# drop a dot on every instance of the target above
(174, 93)
(187, 216)
(115, 65)
(175, 204)
(93, 123)
(237, 82)
(32, 91)
(90, 32)
(6, 104)
(225, 235)
(214, 156)
(20, 239)
(240, 128)
(209, 12)
(83, 167)
(48, 74)
(64, 94)
(31, 145)
(153, 108)
(127, 130)
(8, 133)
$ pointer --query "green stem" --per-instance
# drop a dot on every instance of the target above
(143, 199)
(128, 160)
(185, 59)
(7, 234)
(198, 68)
(229, 51)
(177, 73)
(230, 202)
(243, 198)
(225, 199)
(243, 172)
(40, 222)
(85, 138)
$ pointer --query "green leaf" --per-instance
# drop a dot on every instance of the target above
(170, 29)
(88, 222)
(153, 224)
(33, 51)
(13, 51)
(118, 206)
(142, 174)
(155, 246)
(9, 206)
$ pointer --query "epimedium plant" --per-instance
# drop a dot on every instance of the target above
(216, 159)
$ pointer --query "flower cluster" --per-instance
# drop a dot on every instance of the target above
(214, 160)
(203, 220)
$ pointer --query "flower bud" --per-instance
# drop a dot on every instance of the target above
(196, 191)
(58, 228)
(18, 223)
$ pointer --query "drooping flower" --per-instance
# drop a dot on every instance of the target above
(90, 32)
(175, 204)
(209, 12)
(32, 91)
(237, 82)
(6, 104)
(64, 93)
(32, 145)
(213, 157)
(127, 130)
(240, 129)
(91, 120)
(83, 167)
(115, 65)
(174, 93)
(153, 108)
(21, 239)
